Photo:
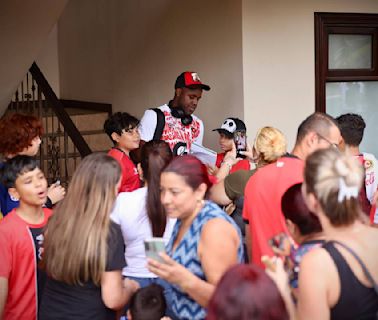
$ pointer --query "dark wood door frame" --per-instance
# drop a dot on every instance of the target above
(341, 23)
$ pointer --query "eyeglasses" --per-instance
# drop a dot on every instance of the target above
(332, 144)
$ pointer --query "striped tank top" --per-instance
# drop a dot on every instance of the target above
(186, 254)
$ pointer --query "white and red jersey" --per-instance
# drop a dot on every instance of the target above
(179, 137)
(371, 183)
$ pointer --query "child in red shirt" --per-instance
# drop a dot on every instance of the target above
(123, 130)
(21, 239)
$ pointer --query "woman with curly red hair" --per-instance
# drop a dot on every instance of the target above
(21, 135)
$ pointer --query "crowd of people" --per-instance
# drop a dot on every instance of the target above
(150, 231)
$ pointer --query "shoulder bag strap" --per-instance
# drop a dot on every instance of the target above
(160, 123)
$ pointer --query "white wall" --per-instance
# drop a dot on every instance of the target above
(279, 59)
(24, 28)
(129, 53)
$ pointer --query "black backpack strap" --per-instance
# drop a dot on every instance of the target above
(364, 268)
(160, 123)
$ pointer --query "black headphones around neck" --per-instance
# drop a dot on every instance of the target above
(186, 119)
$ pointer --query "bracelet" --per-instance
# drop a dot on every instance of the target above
(48, 203)
(229, 165)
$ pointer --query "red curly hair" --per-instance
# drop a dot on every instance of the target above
(17, 132)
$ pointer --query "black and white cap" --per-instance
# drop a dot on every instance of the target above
(231, 125)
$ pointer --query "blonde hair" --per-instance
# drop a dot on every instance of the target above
(328, 174)
(75, 245)
(270, 144)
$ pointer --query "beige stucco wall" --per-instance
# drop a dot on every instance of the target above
(84, 42)
(129, 53)
(279, 59)
(24, 29)
(258, 56)
(48, 60)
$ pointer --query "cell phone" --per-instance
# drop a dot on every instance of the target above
(240, 139)
(154, 246)
(279, 241)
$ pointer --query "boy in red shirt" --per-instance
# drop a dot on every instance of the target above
(123, 130)
(21, 239)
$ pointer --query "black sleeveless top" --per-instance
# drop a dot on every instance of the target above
(356, 301)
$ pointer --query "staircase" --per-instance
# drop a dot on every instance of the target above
(58, 155)
(72, 129)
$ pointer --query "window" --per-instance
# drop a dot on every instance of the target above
(346, 68)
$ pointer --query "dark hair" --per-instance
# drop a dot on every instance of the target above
(352, 128)
(148, 303)
(118, 122)
(191, 169)
(17, 132)
(246, 292)
(318, 122)
(155, 155)
(295, 209)
(15, 167)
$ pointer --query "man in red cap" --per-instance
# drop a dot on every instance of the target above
(175, 122)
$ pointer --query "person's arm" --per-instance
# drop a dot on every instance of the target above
(217, 251)
(217, 193)
(275, 270)
(228, 161)
(3, 294)
(116, 293)
(147, 125)
(55, 193)
(313, 285)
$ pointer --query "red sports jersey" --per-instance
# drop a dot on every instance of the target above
(240, 165)
(20, 251)
(130, 178)
(262, 202)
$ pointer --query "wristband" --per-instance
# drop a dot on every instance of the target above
(48, 203)
(229, 165)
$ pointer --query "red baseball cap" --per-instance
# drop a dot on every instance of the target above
(190, 79)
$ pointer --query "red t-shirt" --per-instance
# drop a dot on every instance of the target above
(262, 202)
(240, 165)
(372, 214)
(20, 251)
(130, 178)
